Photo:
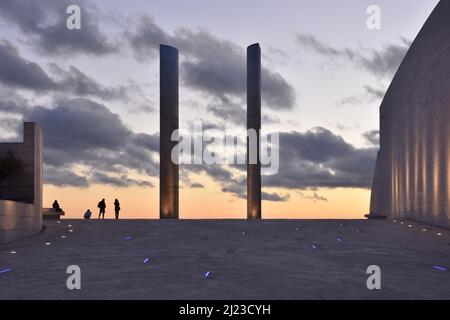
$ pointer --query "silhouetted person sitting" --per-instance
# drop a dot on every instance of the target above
(87, 214)
(117, 208)
(102, 206)
(56, 207)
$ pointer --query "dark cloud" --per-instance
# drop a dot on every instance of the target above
(64, 178)
(382, 63)
(239, 190)
(11, 103)
(44, 22)
(214, 66)
(9, 124)
(387, 60)
(147, 141)
(276, 91)
(18, 72)
(309, 41)
(374, 93)
(82, 123)
(196, 185)
(82, 132)
(372, 137)
(315, 197)
(8, 129)
(319, 158)
(229, 111)
(147, 109)
(315, 159)
(15, 71)
(147, 37)
(371, 94)
(78, 83)
(223, 175)
(275, 197)
(275, 55)
(210, 65)
(267, 118)
(122, 181)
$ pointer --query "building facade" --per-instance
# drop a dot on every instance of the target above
(412, 174)
(21, 195)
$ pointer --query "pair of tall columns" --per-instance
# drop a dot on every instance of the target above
(169, 171)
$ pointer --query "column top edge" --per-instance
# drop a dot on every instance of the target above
(165, 46)
(255, 45)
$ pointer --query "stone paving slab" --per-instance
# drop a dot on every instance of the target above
(289, 259)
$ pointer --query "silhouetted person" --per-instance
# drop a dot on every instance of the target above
(102, 206)
(56, 207)
(87, 214)
(117, 208)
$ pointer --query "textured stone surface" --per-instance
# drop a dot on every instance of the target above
(169, 171)
(21, 198)
(412, 174)
(272, 260)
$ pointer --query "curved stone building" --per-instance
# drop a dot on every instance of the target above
(412, 174)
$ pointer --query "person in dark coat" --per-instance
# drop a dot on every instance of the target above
(117, 208)
(87, 214)
(56, 206)
(102, 206)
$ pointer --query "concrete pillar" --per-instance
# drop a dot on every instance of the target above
(168, 170)
(254, 122)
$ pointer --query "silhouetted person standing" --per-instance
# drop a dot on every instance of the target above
(102, 206)
(117, 208)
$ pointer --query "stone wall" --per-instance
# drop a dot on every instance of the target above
(412, 175)
(21, 196)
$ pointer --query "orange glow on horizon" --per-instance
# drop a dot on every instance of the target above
(208, 203)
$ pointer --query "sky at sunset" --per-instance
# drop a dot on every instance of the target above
(95, 94)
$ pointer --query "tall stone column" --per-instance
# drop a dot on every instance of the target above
(253, 122)
(168, 170)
